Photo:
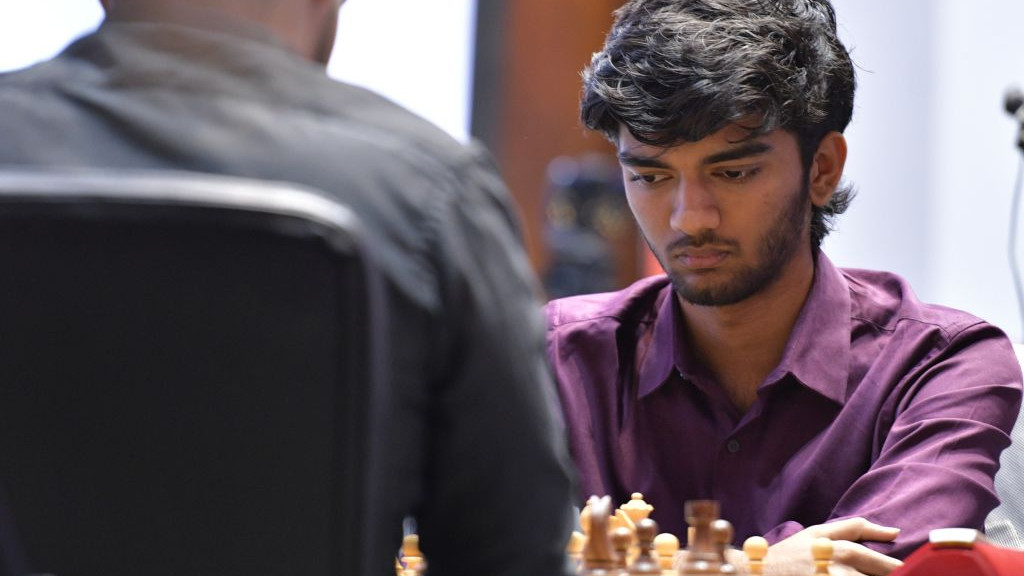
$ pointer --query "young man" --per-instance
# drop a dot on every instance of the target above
(807, 399)
(238, 87)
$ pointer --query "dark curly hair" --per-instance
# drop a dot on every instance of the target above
(675, 71)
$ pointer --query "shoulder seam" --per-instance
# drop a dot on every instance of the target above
(949, 332)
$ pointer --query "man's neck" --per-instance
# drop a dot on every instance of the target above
(740, 344)
(224, 16)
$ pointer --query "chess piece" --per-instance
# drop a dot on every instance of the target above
(666, 546)
(622, 520)
(756, 548)
(575, 548)
(701, 557)
(412, 558)
(598, 555)
(585, 515)
(622, 541)
(636, 508)
(821, 550)
(646, 561)
(721, 538)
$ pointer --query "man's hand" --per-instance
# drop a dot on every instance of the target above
(792, 556)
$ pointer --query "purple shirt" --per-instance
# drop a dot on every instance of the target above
(882, 407)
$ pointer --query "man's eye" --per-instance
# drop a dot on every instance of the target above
(737, 174)
(647, 178)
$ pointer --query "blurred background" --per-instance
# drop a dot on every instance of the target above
(932, 151)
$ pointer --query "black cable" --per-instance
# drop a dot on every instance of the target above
(1013, 103)
(1018, 284)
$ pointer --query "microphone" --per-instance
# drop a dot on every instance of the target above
(1013, 102)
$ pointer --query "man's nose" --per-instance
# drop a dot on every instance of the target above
(694, 209)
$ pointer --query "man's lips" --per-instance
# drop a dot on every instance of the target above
(701, 258)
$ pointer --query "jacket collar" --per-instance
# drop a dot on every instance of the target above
(193, 16)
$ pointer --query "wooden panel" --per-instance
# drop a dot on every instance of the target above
(526, 109)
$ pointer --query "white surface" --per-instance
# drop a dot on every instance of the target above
(419, 54)
(38, 29)
(931, 150)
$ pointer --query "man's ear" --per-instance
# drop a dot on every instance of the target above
(827, 168)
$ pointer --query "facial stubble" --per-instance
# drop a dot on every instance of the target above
(774, 250)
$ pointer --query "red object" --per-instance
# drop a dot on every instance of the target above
(961, 552)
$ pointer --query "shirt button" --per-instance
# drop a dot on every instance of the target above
(733, 446)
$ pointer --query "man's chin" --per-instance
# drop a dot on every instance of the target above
(703, 293)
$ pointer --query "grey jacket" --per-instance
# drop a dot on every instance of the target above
(475, 450)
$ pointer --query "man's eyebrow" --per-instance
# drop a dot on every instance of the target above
(738, 153)
(628, 159)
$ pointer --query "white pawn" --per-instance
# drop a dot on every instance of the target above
(666, 546)
(411, 555)
(756, 548)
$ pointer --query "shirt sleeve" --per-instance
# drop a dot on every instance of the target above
(499, 484)
(935, 461)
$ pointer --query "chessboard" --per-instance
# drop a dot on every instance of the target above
(624, 540)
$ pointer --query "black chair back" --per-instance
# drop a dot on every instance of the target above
(186, 364)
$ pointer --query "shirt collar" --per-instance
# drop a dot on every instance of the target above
(194, 17)
(817, 353)
(656, 352)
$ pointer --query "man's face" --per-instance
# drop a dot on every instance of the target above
(724, 215)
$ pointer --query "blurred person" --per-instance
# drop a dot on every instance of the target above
(239, 88)
(808, 399)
